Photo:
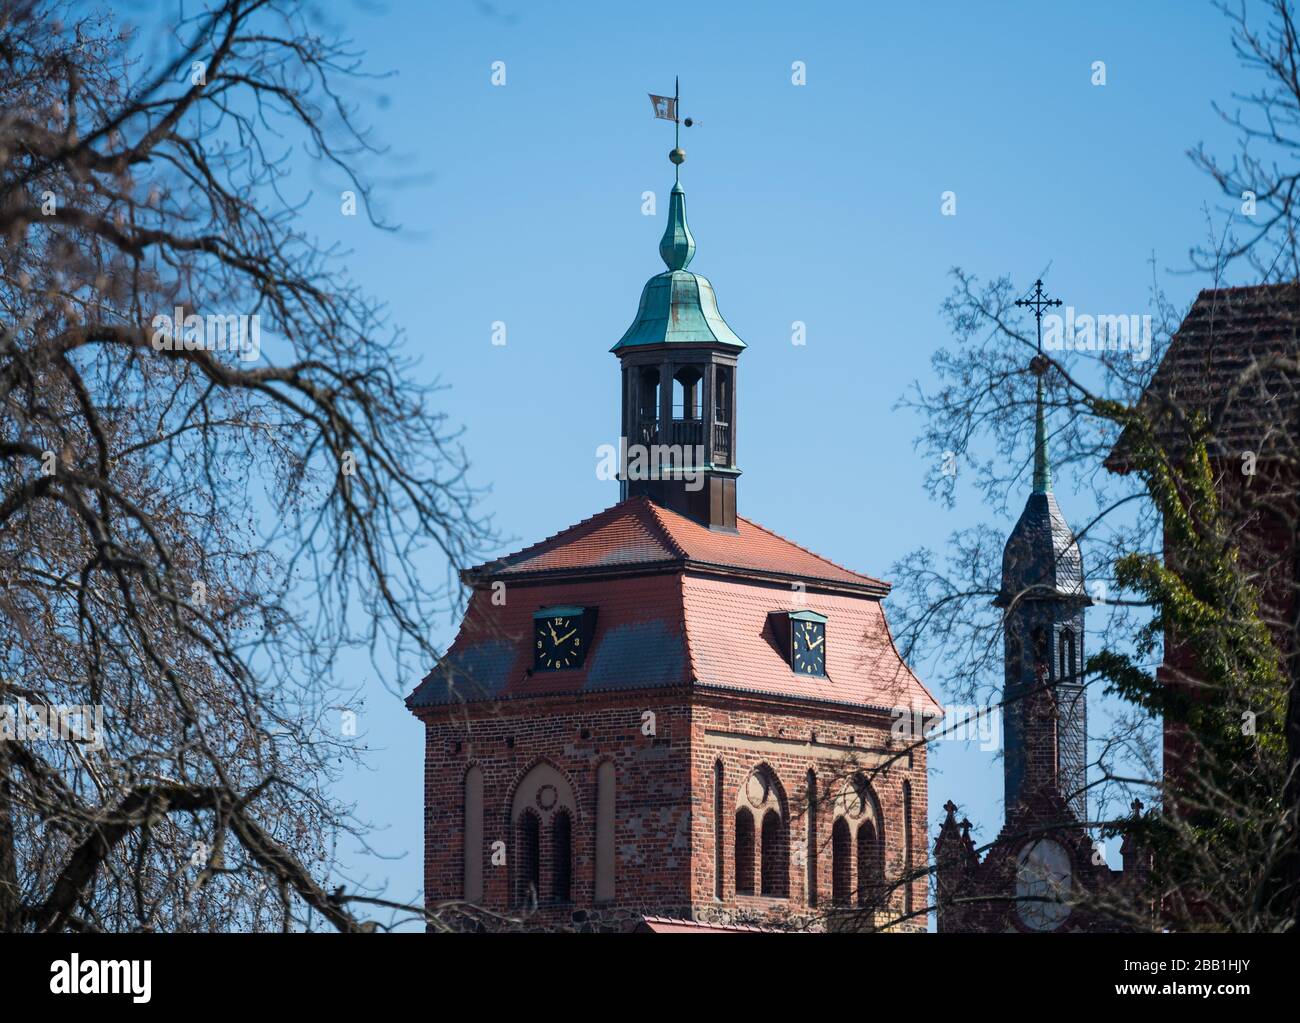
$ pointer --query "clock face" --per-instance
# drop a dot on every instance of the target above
(557, 642)
(1043, 875)
(808, 647)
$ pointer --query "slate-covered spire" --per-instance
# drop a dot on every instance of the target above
(1043, 595)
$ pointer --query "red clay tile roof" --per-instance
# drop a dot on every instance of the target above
(731, 643)
(638, 532)
(1226, 331)
(688, 623)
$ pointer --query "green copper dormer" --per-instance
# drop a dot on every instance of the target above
(677, 306)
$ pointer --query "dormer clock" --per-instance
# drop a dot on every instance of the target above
(561, 636)
(807, 643)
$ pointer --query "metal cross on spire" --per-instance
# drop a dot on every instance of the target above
(1038, 301)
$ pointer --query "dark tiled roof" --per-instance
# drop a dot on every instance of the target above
(1226, 332)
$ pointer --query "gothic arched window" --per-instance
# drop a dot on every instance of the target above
(744, 852)
(761, 803)
(543, 811)
(841, 862)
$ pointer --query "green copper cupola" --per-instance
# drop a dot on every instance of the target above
(679, 386)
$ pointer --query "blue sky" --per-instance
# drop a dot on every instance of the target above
(819, 203)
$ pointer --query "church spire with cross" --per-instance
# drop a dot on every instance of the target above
(1043, 599)
(1037, 300)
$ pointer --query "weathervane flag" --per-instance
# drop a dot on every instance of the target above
(665, 106)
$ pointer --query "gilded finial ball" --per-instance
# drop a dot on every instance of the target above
(678, 156)
(1038, 365)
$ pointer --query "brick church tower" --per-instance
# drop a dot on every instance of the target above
(667, 716)
(1043, 859)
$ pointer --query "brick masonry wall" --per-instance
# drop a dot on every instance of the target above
(507, 739)
(745, 732)
(665, 821)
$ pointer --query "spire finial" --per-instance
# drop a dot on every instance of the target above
(1037, 300)
(665, 107)
(678, 155)
(677, 247)
(1042, 468)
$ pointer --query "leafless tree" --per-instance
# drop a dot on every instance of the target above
(196, 517)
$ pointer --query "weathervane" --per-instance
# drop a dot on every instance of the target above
(666, 108)
(1038, 301)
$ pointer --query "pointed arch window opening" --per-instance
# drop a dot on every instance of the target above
(528, 842)
(744, 852)
(1068, 664)
(1041, 649)
(543, 811)
(774, 861)
(871, 865)
(562, 857)
(841, 862)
